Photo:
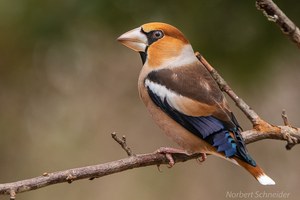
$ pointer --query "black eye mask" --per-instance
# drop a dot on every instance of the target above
(152, 37)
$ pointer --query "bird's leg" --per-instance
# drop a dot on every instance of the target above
(168, 151)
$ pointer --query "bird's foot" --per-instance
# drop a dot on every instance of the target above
(168, 151)
(291, 140)
(202, 158)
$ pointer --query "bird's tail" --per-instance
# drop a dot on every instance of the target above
(256, 172)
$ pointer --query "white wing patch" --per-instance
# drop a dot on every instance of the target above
(178, 101)
(163, 93)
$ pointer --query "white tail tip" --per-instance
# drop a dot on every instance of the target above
(265, 180)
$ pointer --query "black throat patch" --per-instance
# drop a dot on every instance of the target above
(143, 56)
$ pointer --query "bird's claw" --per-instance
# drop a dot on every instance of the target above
(168, 151)
(171, 160)
(202, 158)
(291, 140)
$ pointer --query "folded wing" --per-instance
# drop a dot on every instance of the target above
(192, 98)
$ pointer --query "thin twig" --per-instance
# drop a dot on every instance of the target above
(274, 14)
(291, 140)
(261, 129)
(249, 112)
(285, 118)
(122, 142)
(12, 194)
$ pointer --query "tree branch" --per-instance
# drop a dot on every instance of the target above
(274, 14)
(94, 171)
(261, 129)
(137, 161)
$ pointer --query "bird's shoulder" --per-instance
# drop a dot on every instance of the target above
(192, 81)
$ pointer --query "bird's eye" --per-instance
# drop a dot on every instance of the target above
(157, 34)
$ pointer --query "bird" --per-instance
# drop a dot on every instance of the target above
(184, 100)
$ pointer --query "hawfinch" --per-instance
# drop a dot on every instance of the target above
(183, 98)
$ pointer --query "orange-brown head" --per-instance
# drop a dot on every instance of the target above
(159, 44)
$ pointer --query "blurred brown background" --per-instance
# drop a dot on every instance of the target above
(66, 85)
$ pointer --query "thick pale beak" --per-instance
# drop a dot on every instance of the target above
(134, 39)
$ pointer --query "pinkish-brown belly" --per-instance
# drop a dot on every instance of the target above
(172, 129)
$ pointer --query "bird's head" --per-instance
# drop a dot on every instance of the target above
(159, 45)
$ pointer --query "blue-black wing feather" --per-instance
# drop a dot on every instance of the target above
(208, 128)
